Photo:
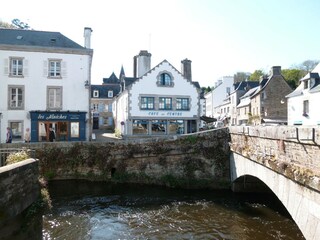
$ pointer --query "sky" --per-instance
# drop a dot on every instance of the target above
(220, 37)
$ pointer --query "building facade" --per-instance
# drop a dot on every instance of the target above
(159, 101)
(215, 98)
(303, 102)
(265, 104)
(44, 85)
(101, 101)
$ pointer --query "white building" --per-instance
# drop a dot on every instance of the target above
(159, 101)
(216, 97)
(45, 81)
(303, 102)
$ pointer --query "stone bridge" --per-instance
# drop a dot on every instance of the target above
(287, 161)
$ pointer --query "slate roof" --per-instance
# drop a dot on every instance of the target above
(111, 80)
(103, 90)
(20, 37)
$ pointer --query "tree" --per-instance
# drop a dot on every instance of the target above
(255, 76)
(20, 24)
(6, 25)
(240, 76)
(292, 76)
(307, 65)
(206, 89)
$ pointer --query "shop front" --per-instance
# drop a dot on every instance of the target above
(48, 126)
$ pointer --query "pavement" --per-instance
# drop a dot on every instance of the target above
(102, 135)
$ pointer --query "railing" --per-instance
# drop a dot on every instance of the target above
(5, 152)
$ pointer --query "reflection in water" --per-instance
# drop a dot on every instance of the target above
(86, 210)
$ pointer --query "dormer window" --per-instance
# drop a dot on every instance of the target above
(95, 93)
(305, 84)
(165, 79)
(110, 94)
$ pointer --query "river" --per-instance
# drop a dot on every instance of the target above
(91, 210)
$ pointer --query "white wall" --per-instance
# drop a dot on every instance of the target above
(74, 75)
(147, 85)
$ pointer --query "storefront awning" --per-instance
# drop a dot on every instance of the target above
(208, 119)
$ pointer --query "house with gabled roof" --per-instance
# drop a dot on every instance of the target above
(157, 101)
(265, 104)
(45, 79)
(303, 102)
(101, 101)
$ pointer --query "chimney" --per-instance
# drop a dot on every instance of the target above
(87, 37)
(275, 71)
(186, 69)
(141, 63)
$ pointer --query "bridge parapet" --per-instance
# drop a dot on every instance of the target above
(291, 151)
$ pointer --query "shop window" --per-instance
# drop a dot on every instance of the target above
(16, 97)
(16, 67)
(16, 128)
(139, 127)
(74, 129)
(165, 103)
(159, 127)
(54, 69)
(54, 98)
(147, 103)
(183, 104)
(176, 127)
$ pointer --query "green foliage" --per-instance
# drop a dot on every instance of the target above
(240, 76)
(292, 76)
(117, 133)
(255, 76)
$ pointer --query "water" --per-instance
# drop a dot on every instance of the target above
(86, 210)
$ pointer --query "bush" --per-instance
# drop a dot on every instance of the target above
(17, 157)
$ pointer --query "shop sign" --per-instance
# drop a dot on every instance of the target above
(52, 116)
(164, 114)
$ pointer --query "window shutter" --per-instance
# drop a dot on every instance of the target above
(25, 67)
(64, 69)
(6, 67)
(45, 69)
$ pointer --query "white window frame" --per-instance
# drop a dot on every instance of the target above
(110, 94)
(54, 68)
(95, 93)
(54, 98)
(16, 67)
(13, 93)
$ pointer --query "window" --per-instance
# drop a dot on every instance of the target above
(95, 93)
(16, 67)
(16, 97)
(54, 98)
(165, 79)
(55, 68)
(165, 103)
(183, 104)
(147, 103)
(305, 84)
(16, 128)
(306, 108)
(110, 93)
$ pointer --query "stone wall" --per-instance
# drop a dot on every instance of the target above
(19, 188)
(289, 150)
(193, 161)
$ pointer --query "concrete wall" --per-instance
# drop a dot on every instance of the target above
(19, 188)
